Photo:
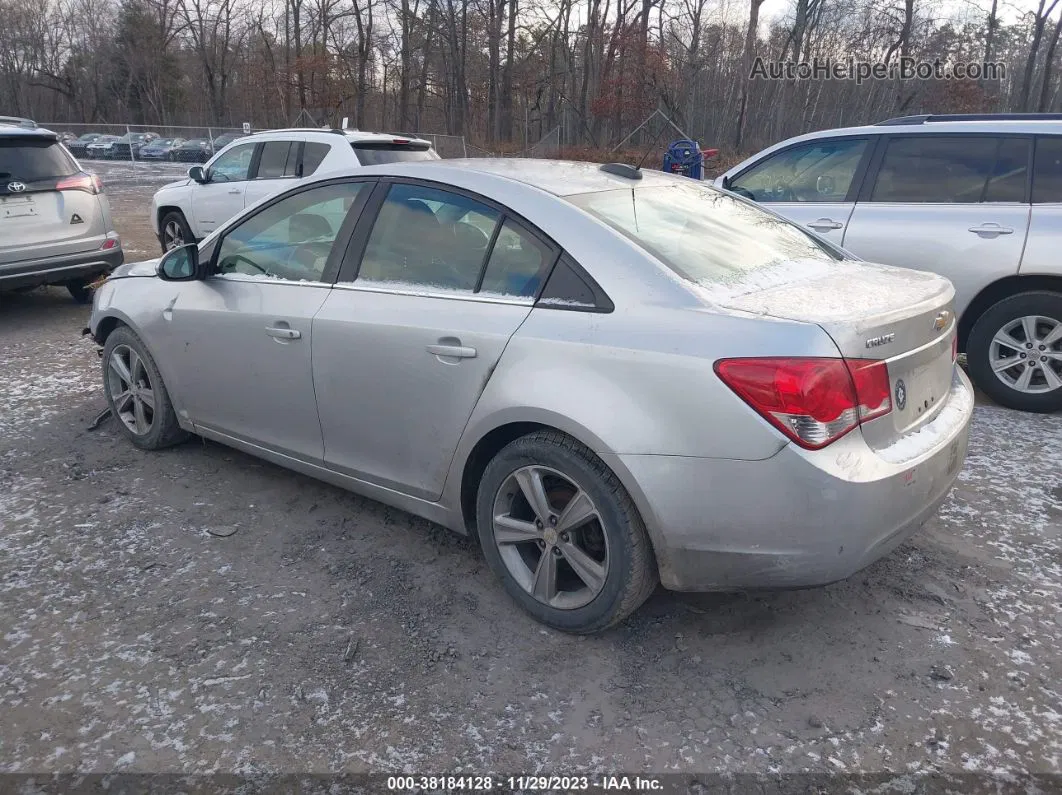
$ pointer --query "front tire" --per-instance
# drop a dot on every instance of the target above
(1014, 352)
(174, 231)
(563, 535)
(136, 394)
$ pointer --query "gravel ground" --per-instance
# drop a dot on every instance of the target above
(200, 611)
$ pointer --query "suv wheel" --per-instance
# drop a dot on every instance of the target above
(80, 292)
(174, 231)
(561, 532)
(1015, 352)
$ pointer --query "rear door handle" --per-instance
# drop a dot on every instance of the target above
(825, 224)
(991, 229)
(283, 333)
(454, 351)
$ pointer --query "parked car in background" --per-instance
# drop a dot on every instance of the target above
(224, 140)
(569, 362)
(195, 150)
(160, 149)
(129, 145)
(101, 148)
(976, 198)
(55, 222)
(260, 164)
(78, 146)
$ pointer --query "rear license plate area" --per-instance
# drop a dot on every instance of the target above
(17, 208)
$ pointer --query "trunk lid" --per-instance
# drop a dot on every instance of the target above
(903, 317)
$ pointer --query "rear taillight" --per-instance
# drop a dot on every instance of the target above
(113, 241)
(89, 183)
(812, 401)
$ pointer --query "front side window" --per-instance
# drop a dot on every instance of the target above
(428, 238)
(819, 172)
(1047, 171)
(939, 169)
(291, 239)
(233, 165)
(703, 234)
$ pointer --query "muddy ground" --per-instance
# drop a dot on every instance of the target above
(198, 610)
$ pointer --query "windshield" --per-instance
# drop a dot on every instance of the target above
(32, 160)
(701, 233)
(374, 154)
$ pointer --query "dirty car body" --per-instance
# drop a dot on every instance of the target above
(779, 415)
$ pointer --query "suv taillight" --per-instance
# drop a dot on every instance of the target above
(89, 183)
(813, 401)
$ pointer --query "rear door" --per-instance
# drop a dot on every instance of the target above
(276, 169)
(1045, 226)
(223, 195)
(812, 183)
(957, 205)
(404, 348)
(43, 212)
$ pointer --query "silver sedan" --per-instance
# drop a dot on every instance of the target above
(610, 377)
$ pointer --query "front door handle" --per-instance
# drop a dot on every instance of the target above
(235, 191)
(281, 333)
(825, 225)
(453, 351)
(991, 229)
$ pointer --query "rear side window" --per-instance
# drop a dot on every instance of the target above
(276, 160)
(937, 169)
(518, 263)
(313, 154)
(1010, 175)
(1047, 171)
(30, 160)
(373, 153)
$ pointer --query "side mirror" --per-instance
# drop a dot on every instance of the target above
(180, 264)
(196, 173)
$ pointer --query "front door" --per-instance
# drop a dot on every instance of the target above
(812, 184)
(241, 339)
(954, 205)
(403, 352)
(222, 195)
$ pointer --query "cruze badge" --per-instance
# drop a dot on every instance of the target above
(901, 395)
(884, 339)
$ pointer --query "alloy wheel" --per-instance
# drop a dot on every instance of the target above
(1026, 354)
(550, 537)
(172, 236)
(131, 391)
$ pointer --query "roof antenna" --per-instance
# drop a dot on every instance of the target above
(650, 147)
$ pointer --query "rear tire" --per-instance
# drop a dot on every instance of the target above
(144, 412)
(80, 292)
(1025, 329)
(174, 231)
(578, 576)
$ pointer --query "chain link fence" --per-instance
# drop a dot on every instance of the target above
(134, 142)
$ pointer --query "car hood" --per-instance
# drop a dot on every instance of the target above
(181, 183)
(145, 268)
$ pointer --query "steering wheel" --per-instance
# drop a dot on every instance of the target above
(232, 259)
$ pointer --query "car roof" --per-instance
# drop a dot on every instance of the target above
(923, 125)
(328, 134)
(559, 177)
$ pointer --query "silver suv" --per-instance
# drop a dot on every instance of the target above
(55, 222)
(976, 198)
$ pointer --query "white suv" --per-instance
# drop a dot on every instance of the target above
(259, 165)
(975, 198)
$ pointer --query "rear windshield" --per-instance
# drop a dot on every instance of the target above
(701, 233)
(31, 160)
(374, 154)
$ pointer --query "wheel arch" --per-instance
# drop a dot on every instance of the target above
(1000, 290)
(164, 210)
(510, 426)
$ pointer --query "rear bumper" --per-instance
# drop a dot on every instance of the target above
(800, 518)
(58, 270)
